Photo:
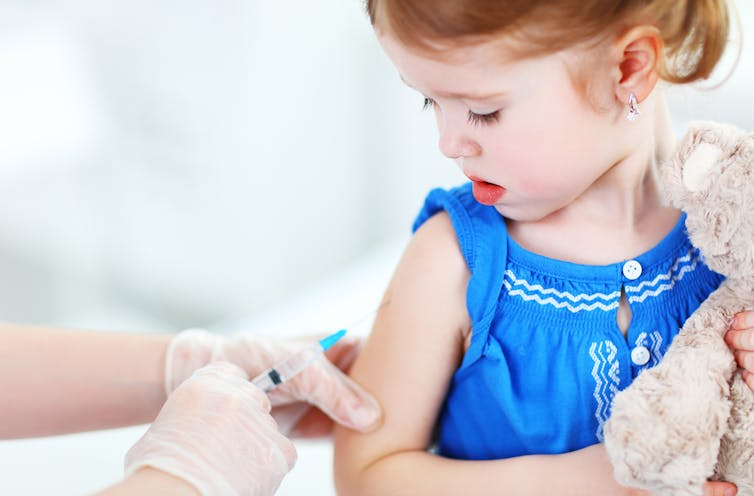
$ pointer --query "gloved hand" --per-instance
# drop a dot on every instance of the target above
(216, 433)
(321, 384)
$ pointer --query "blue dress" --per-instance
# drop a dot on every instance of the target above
(546, 355)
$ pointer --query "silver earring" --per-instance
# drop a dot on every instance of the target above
(633, 108)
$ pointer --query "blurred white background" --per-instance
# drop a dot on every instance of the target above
(236, 165)
(176, 162)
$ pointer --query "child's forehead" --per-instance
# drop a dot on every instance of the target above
(455, 89)
(473, 71)
(460, 51)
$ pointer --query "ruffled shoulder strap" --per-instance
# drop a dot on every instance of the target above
(483, 238)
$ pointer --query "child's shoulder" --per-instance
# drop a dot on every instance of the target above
(433, 273)
(458, 202)
(435, 239)
(476, 228)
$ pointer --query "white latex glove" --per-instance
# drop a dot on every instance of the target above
(321, 384)
(215, 432)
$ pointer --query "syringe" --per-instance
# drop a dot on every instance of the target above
(275, 376)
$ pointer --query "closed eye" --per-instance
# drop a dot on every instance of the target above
(483, 119)
(473, 118)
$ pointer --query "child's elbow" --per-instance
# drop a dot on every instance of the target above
(351, 468)
(347, 484)
(350, 482)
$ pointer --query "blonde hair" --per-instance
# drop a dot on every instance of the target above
(694, 32)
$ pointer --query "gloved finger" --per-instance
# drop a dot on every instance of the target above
(289, 415)
(215, 432)
(250, 401)
(266, 428)
(223, 371)
(236, 377)
(188, 351)
(343, 353)
(312, 425)
(326, 387)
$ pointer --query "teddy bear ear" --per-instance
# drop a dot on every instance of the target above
(698, 163)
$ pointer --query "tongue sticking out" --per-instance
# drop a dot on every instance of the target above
(486, 193)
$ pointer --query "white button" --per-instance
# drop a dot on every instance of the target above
(632, 269)
(640, 355)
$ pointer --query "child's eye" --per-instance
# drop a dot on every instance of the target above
(474, 118)
(477, 119)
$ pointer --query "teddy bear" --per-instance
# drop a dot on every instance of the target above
(691, 417)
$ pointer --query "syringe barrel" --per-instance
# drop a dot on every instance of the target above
(298, 361)
(281, 372)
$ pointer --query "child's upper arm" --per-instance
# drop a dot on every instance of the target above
(415, 346)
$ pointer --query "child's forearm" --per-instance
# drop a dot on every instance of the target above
(582, 473)
(56, 381)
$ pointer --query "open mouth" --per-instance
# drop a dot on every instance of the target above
(486, 193)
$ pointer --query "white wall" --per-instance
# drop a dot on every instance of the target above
(727, 97)
(173, 162)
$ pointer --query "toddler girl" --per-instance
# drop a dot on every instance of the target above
(533, 293)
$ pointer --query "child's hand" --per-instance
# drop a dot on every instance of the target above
(719, 488)
(740, 337)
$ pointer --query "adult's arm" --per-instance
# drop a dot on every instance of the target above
(55, 381)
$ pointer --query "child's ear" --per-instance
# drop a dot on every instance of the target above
(638, 54)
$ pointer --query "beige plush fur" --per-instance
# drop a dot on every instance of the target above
(691, 418)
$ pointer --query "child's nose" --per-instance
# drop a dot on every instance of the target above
(454, 143)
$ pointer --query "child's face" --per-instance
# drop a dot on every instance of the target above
(542, 143)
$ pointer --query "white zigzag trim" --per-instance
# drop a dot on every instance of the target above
(664, 287)
(562, 294)
(660, 277)
(559, 304)
(666, 276)
(605, 387)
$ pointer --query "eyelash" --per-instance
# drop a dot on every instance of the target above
(473, 119)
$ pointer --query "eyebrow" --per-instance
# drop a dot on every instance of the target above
(466, 96)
